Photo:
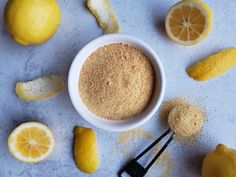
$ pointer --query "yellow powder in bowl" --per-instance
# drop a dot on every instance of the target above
(117, 81)
(185, 120)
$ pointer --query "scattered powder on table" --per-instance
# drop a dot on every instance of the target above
(129, 138)
(168, 105)
(185, 120)
(165, 161)
(132, 137)
(117, 81)
(124, 137)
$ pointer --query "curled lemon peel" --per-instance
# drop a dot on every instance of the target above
(213, 66)
(40, 88)
(104, 14)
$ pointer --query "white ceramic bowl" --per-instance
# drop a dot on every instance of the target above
(115, 125)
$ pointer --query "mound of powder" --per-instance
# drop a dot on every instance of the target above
(117, 81)
(185, 120)
(168, 105)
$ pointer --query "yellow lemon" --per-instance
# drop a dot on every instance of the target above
(85, 150)
(31, 21)
(31, 142)
(188, 22)
(220, 163)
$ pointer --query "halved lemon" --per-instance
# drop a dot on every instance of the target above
(31, 142)
(189, 22)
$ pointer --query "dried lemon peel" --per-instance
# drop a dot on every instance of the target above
(40, 88)
(85, 150)
(105, 15)
(213, 65)
(188, 22)
(31, 142)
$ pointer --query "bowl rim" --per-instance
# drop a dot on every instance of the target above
(74, 73)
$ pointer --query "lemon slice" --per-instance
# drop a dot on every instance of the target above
(40, 88)
(188, 22)
(104, 14)
(31, 142)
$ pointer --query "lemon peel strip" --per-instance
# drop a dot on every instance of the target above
(104, 14)
(213, 66)
(85, 150)
(40, 88)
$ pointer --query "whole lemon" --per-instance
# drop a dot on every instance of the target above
(32, 21)
(220, 163)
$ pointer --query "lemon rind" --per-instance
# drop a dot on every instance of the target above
(91, 135)
(102, 24)
(224, 55)
(27, 97)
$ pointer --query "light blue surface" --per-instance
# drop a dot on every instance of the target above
(142, 19)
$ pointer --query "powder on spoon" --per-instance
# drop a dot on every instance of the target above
(185, 120)
(168, 105)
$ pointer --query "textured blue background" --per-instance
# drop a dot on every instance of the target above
(140, 18)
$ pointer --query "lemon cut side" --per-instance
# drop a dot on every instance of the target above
(31, 142)
(189, 22)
